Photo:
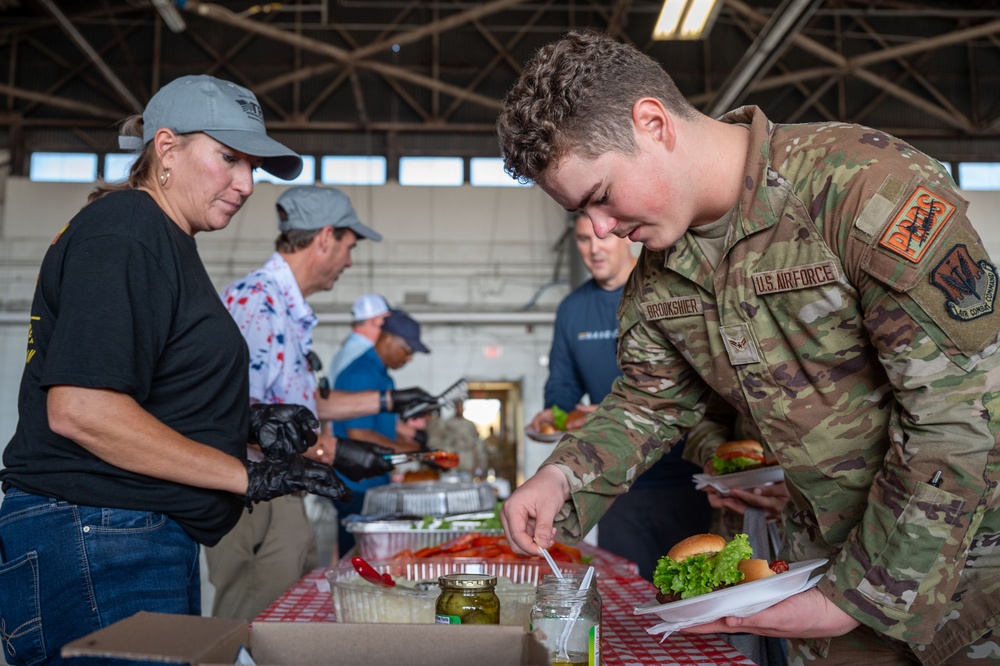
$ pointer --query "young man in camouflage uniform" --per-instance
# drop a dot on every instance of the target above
(825, 281)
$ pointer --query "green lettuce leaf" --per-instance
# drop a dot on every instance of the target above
(559, 417)
(733, 465)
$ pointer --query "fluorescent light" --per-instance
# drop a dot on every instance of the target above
(172, 17)
(686, 19)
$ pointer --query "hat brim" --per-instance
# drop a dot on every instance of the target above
(279, 160)
(418, 346)
(362, 231)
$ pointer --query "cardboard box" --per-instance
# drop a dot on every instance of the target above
(185, 639)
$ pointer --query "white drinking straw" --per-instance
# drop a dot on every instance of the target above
(575, 613)
(552, 563)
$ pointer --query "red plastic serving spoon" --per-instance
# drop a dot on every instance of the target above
(368, 572)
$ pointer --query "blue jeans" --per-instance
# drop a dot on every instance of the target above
(67, 570)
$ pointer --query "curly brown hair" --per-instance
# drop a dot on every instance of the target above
(576, 95)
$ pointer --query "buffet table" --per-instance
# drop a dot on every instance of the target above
(625, 641)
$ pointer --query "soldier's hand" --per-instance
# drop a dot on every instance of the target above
(402, 399)
(361, 460)
(273, 478)
(282, 430)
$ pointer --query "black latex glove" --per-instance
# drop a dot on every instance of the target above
(361, 460)
(282, 430)
(420, 437)
(405, 398)
(273, 478)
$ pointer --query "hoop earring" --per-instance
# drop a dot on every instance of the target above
(164, 177)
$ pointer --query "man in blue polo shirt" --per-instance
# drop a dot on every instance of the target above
(398, 341)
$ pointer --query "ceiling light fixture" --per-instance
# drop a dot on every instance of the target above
(686, 19)
(172, 17)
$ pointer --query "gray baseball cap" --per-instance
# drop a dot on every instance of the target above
(224, 111)
(310, 207)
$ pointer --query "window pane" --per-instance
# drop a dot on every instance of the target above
(64, 167)
(307, 177)
(979, 175)
(352, 170)
(489, 171)
(431, 171)
(117, 165)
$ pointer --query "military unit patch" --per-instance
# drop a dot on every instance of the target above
(917, 224)
(970, 287)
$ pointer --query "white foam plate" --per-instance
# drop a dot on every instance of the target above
(739, 600)
(544, 438)
(751, 478)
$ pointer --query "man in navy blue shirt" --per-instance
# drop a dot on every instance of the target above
(399, 339)
(662, 507)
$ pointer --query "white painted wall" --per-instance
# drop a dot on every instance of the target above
(466, 250)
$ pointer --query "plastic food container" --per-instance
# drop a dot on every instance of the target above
(428, 498)
(357, 600)
(382, 539)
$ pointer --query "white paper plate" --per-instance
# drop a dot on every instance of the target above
(739, 600)
(551, 438)
(751, 478)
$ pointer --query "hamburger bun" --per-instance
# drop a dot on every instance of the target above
(754, 570)
(740, 446)
(699, 544)
(547, 429)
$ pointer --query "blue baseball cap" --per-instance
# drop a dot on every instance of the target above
(401, 324)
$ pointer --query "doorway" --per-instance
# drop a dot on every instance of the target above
(495, 407)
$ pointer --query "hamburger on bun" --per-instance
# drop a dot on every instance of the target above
(738, 456)
(700, 564)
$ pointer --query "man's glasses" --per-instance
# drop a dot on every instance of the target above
(315, 366)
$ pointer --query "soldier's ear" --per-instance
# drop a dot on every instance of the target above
(652, 121)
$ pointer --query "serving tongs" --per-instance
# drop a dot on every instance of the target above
(455, 393)
(443, 459)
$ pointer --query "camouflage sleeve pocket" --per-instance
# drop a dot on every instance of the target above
(911, 566)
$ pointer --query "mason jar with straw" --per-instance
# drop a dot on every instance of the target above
(566, 618)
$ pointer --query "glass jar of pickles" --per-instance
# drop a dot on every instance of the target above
(467, 598)
(567, 619)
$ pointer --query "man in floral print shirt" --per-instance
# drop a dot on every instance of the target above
(274, 546)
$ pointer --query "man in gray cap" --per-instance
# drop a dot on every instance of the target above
(275, 545)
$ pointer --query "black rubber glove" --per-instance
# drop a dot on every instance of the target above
(361, 460)
(420, 437)
(282, 430)
(402, 399)
(273, 478)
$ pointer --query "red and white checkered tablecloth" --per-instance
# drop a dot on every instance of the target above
(625, 641)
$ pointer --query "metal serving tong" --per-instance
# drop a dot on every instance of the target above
(455, 393)
(445, 459)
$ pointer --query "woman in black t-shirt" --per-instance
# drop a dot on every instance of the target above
(134, 416)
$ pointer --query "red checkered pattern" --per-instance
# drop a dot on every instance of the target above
(625, 641)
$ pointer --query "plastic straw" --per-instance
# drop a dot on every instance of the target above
(575, 613)
(552, 563)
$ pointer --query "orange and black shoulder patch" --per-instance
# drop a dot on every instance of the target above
(917, 224)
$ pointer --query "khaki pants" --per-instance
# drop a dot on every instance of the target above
(261, 557)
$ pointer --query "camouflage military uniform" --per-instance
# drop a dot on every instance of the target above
(459, 434)
(852, 319)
